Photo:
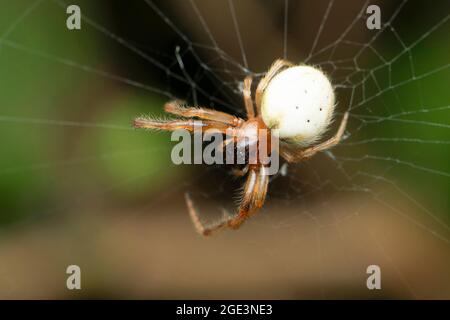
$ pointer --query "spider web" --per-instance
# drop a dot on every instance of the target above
(395, 149)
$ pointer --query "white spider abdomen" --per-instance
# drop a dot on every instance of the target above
(299, 102)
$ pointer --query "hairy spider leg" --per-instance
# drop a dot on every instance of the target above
(253, 196)
(297, 155)
(172, 125)
(247, 92)
(178, 108)
(276, 67)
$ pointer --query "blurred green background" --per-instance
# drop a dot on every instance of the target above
(79, 186)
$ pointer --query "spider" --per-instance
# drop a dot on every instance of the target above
(297, 100)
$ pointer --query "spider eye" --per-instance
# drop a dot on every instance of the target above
(303, 86)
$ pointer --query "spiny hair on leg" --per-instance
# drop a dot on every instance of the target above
(143, 120)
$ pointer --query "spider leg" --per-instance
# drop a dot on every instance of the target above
(253, 197)
(276, 67)
(177, 107)
(248, 97)
(239, 172)
(172, 125)
(292, 155)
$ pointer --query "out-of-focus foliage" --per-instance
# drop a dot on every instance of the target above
(41, 96)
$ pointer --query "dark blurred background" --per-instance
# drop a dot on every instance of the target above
(79, 186)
